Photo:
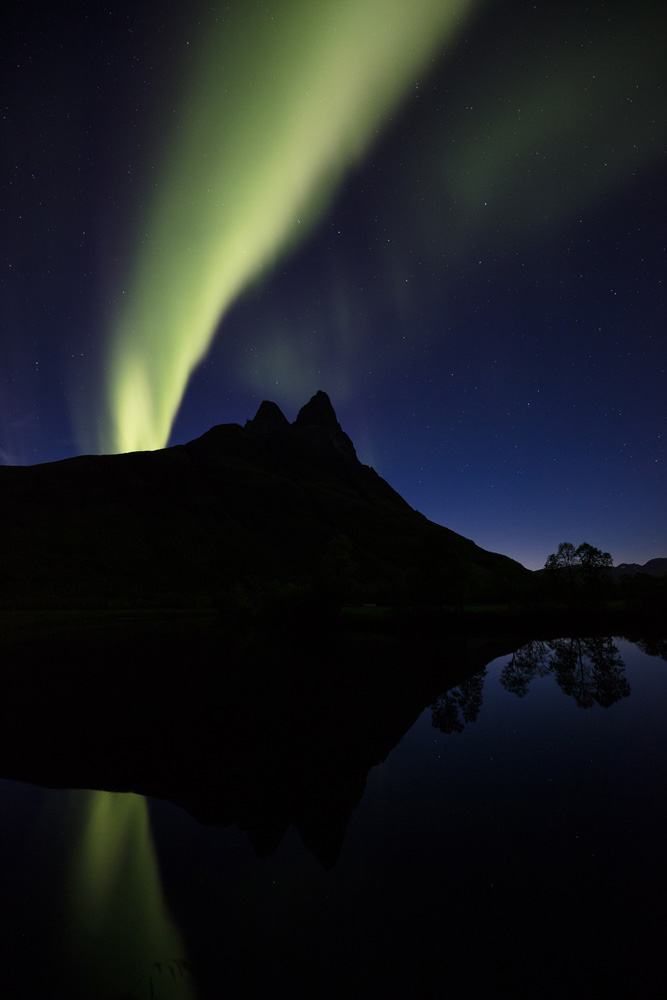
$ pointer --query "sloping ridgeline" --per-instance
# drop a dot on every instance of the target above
(269, 508)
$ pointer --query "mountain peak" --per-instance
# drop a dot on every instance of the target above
(269, 418)
(316, 426)
(318, 420)
(318, 411)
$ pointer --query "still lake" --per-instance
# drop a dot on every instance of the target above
(511, 843)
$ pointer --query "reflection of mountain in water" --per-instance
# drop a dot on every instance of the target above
(253, 731)
(590, 670)
(257, 731)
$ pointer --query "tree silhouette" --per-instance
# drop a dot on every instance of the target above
(563, 563)
(582, 572)
(593, 562)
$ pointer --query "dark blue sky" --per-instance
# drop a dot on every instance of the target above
(483, 298)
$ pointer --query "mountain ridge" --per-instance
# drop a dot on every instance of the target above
(654, 567)
(268, 505)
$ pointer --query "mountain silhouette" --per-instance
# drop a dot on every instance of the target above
(654, 567)
(268, 507)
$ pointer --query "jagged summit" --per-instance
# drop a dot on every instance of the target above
(269, 418)
(317, 419)
(316, 423)
(318, 411)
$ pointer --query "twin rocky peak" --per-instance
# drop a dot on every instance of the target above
(316, 422)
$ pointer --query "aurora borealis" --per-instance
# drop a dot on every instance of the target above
(269, 123)
(449, 219)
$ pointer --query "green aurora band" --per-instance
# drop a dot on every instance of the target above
(286, 98)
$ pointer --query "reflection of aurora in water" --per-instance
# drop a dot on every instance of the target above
(122, 939)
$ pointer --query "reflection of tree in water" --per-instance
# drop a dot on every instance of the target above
(653, 646)
(589, 670)
(460, 705)
(531, 660)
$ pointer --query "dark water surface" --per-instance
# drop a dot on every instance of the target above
(512, 844)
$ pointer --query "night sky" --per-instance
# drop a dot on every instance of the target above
(462, 242)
